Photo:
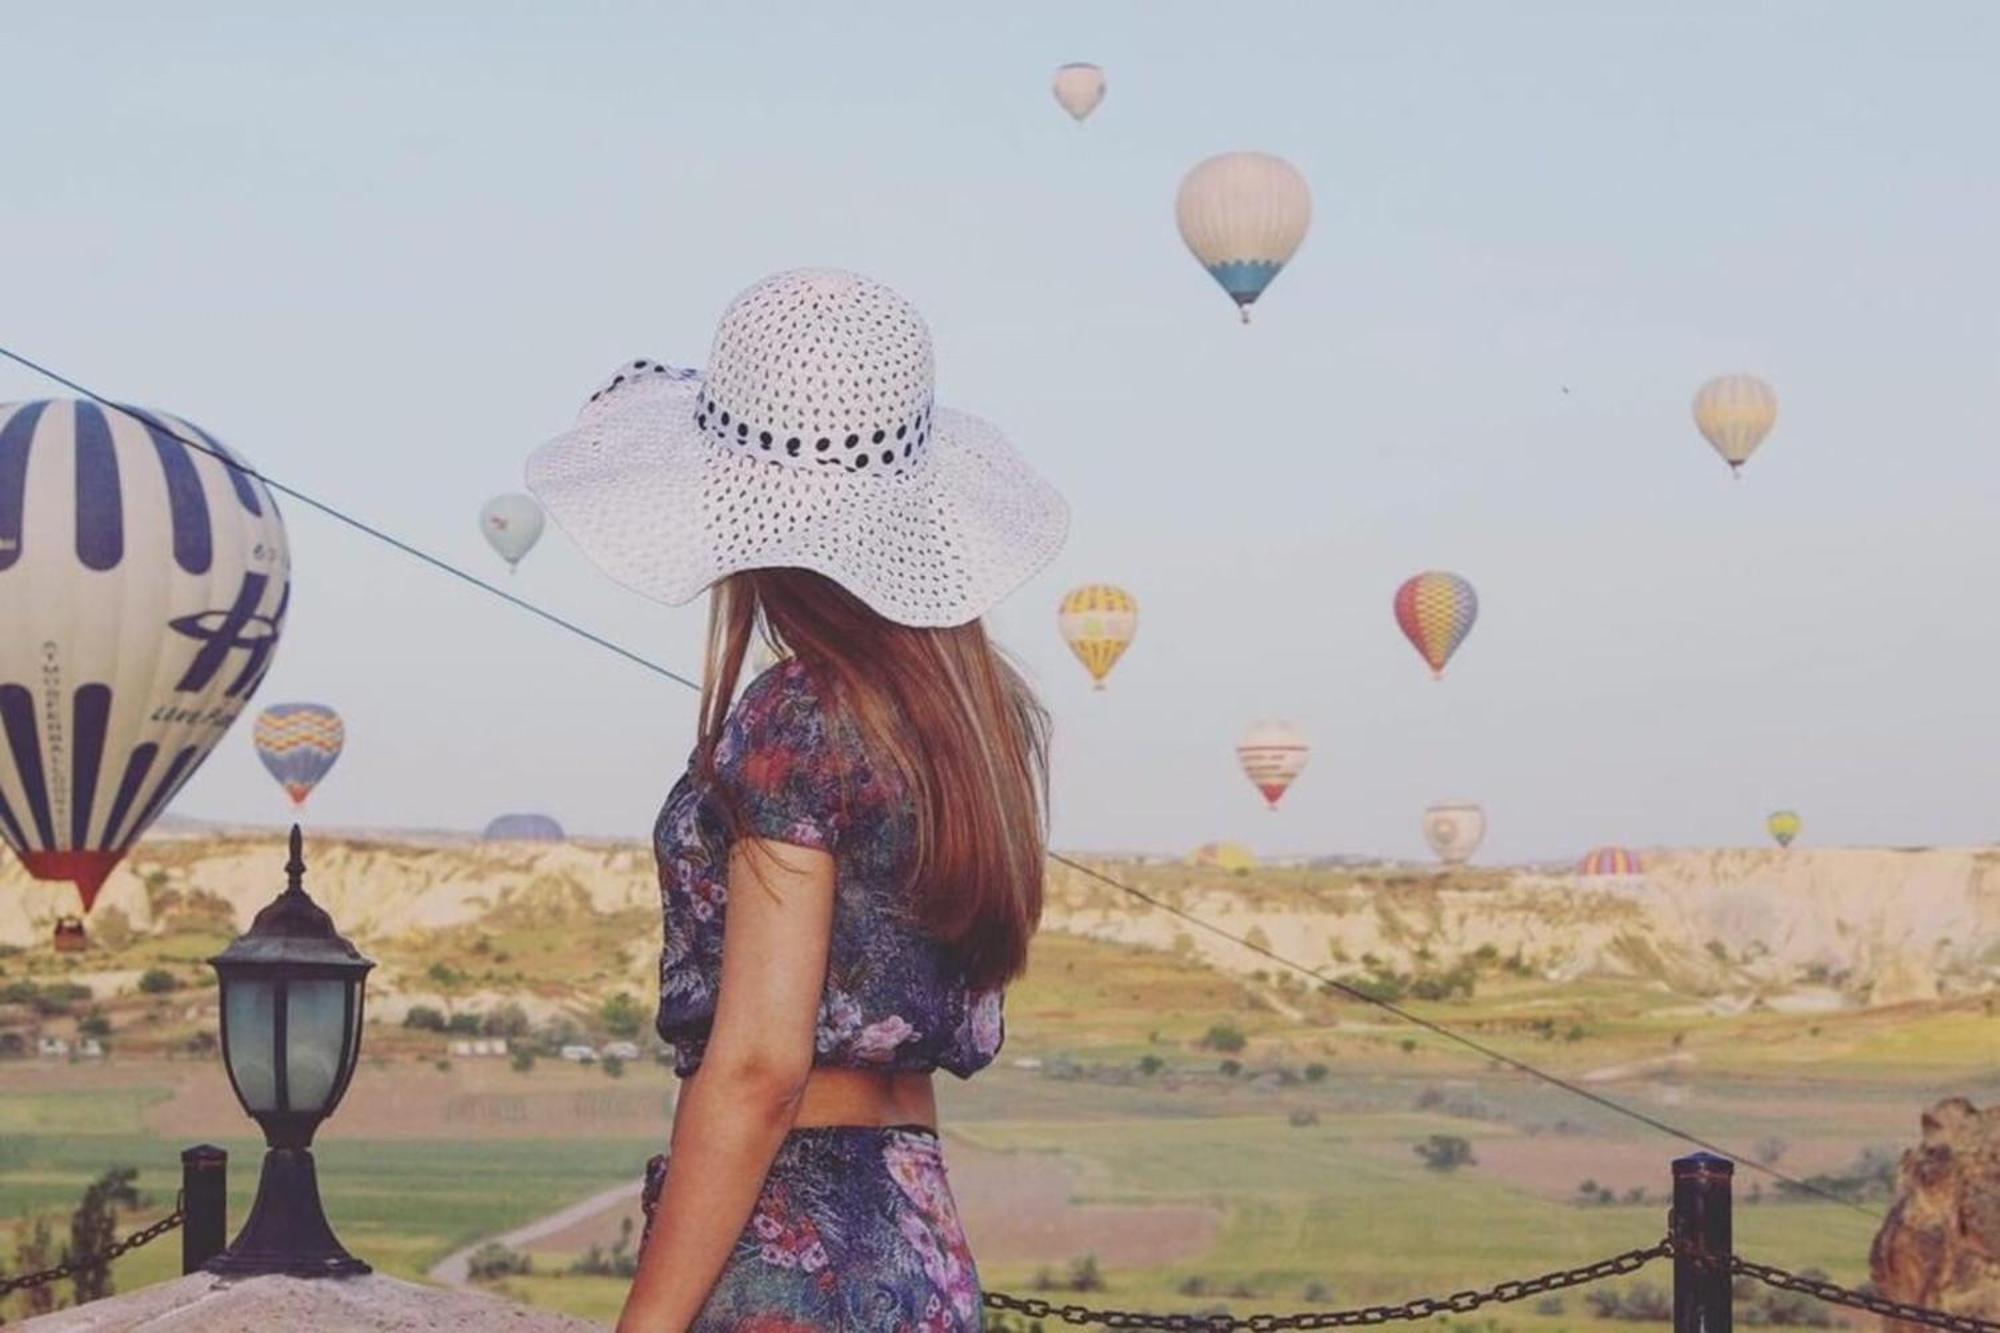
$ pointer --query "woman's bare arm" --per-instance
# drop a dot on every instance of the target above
(737, 1108)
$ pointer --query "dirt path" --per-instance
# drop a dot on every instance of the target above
(452, 1269)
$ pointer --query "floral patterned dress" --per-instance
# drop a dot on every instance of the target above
(855, 1228)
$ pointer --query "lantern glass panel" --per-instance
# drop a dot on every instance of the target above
(315, 1041)
(250, 1015)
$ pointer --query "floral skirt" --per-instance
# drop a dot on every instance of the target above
(855, 1230)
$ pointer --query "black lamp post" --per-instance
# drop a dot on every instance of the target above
(291, 1036)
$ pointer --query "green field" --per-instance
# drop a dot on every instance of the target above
(1135, 1096)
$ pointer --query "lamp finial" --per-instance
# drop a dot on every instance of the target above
(295, 869)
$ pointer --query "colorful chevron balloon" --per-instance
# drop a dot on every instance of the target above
(1436, 611)
(1605, 861)
(299, 744)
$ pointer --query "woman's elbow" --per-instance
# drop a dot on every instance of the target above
(768, 1079)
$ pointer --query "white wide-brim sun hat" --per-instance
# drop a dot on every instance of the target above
(812, 442)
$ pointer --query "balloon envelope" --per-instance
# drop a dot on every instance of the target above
(1098, 623)
(1436, 611)
(523, 828)
(1454, 831)
(1230, 856)
(1272, 754)
(1243, 215)
(1602, 862)
(1734, 413)
(1784, 825)
(1079, 87)
(512, 524)
(299, 744)
(143, 584)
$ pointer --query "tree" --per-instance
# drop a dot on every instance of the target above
(523, 1061)
(613, 1066)
(34, 1251)
(1225, 1037)
(466, 1023)
(1445, 1152)
(94, 1024)
(494, 1260)
(621, 1015)
(1151, 1064)
(94, 1225)
(424, 1018)
(158, 981)
(505, 1020)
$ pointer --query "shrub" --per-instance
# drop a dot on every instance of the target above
(444, 974)
(1316, 1293)
(494, 1260)
(158, 981)
(1409, 1045)
(1303, 1116)
(612, 1066)
(523, 1061)
(466, 1024)
(424, 1018)
(94, 1025)
(1446, 1152)
(1315, 1072)
(1230, 1068)
(505, 1020)
(1150, 1064)
(1225, 1037)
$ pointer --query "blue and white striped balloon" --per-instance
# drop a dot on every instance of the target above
(143, 586)
(1243, 215)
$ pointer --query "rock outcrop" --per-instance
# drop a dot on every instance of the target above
(203, 1303)
(1940, 1245)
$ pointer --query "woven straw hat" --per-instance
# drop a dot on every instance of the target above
(812, 442)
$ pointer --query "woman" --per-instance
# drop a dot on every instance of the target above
(866, 819)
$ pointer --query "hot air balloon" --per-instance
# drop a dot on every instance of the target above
(1243, 215)
(1436, 611)
(1273, 754)
(523, 828)
(1734, 413)
(143, 584)
(1454, 831)
(1231, 856)
(1079, 87)
(1098, 622)
(1784, 825)
(298, 744)
(1608, 862)
(512, 524)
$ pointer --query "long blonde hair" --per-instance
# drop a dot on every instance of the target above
(942, 709)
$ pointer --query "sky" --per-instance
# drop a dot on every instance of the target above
(385, 253)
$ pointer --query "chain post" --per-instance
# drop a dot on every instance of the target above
(1701, 1234)
(205, 1200)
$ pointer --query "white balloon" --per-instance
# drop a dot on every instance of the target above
(512, 524)
(1079, 87)
(1454, 831)
(1272, 754)
(143, 586)
(1734, 413)
(1243, 215)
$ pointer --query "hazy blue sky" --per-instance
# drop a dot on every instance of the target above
(387, 253)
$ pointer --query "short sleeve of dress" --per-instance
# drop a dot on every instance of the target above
(778, 765)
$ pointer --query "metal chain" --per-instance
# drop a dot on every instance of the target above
(118, 1250)
(1835, 1294)
(1424, 1307)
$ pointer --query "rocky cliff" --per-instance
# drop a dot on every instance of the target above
(1837, 926)
(1940, 1245)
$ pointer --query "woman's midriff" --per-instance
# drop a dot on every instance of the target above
(869, 1097)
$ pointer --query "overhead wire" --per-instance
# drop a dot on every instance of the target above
(1151, 900)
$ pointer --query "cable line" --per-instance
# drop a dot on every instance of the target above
(1429, 1025)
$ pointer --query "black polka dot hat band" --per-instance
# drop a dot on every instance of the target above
(811, 442)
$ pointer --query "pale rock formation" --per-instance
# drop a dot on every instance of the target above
(203, 1303)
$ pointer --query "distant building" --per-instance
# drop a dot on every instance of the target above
(580, 1053)
(622, 1050)
(54, 1048)
(461, 1048)
(89, 1049)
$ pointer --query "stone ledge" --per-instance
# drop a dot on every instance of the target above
(205, 1303)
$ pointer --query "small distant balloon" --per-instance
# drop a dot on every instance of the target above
(523, 828)
(299, 744)
(1436, 611)
(1454, 831)
(1079, 87)
(1609, 862)
(1272, 754)
(1243, 215)
(1231, 856)
(1098, 623)
(512, 524)
(1734, 413)
(1784, 825)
